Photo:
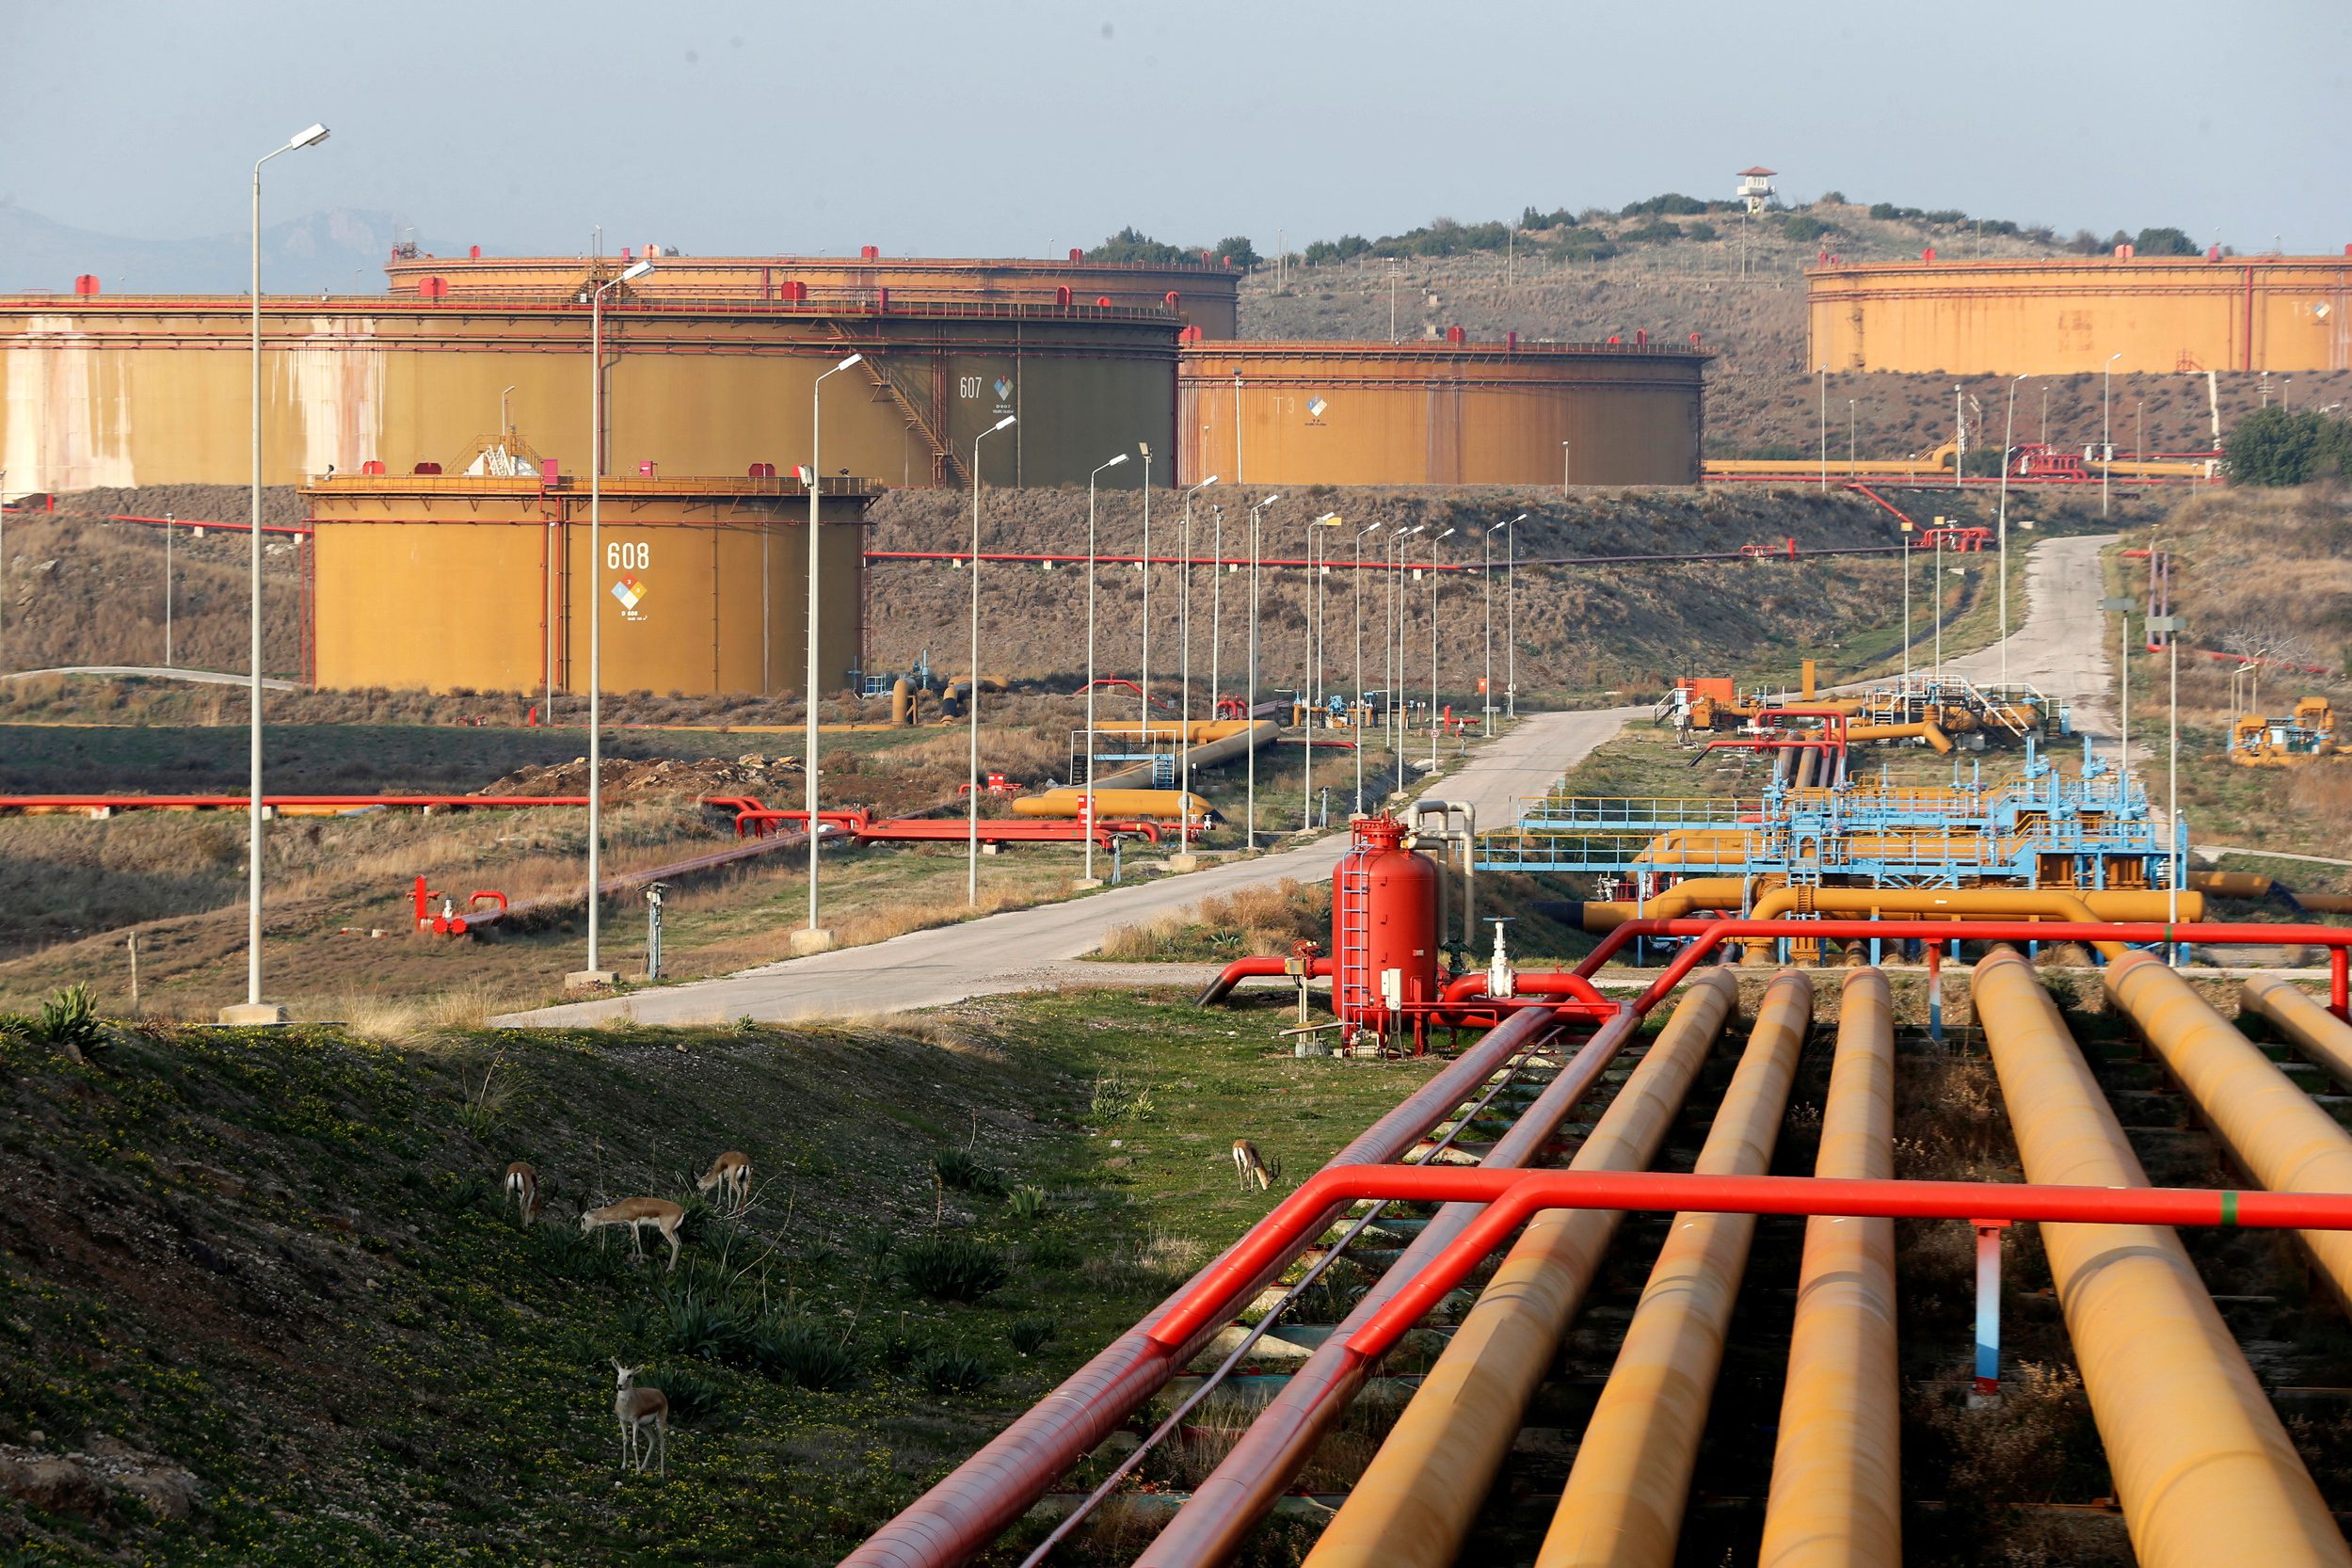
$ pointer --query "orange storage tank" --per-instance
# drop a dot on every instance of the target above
(1384, 920)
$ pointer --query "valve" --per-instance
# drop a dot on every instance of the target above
(1502, 979)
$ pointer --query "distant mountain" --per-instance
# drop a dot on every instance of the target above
(339, 250)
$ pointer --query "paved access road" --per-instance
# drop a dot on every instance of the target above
(2061, 645)
(1028, 948)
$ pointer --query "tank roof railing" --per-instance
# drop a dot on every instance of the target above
(535, 304)
(615, 486)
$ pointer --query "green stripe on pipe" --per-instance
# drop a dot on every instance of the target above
(2229, 1209)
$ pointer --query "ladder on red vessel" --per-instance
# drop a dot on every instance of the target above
(1352, 975)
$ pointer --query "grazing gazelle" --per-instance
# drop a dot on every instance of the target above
(637, 1409)
(637, 1213)
(523, 1185)
(1251, 1165)
(731, 1172)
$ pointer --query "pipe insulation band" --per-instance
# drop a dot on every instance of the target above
(2203, 1469)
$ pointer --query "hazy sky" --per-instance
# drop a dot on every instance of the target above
(1026, 126)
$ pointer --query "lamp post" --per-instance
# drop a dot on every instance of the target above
(1089, 833)
(1312, 683)
(2121, 605)
(1250, 715)
(2106, 441)
(594, 973)
(1144, 680)
(1357, 721)
(817, 938)
(1510, 619)
(1486, 589)
(1825, 430)
(1853, 469)
(255, 1010)
(2008, 431)
(1564, 454)
(1396, 642)
(1433, 655)
(1184, 664)
(1935, 602)
(1905, 537)
(171, 527)
(972, 690)
(1959, 439)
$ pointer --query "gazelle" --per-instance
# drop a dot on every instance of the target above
(523, 1185)
(731, 1172)
(1249, 1165)
(637, 1409)
(637, 1213)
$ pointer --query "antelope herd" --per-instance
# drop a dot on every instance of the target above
(639, 1409)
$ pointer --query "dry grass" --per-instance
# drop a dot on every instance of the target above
(880, 926)
(1263, 922)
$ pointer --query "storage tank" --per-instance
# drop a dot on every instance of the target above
(1383, 927)
(2279, 313)
(1205, 292)
(130, 389)
(1439, 413)
(484, 582)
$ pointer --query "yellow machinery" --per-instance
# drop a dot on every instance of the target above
(2309, 731)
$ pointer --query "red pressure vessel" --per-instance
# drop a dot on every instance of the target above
(1383, 916)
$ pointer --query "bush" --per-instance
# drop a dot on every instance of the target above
(1347, 248)
(1132, 245)
(1652, 233)
(1672, 204)
(803, 1354)
(2164, 242)
(952, 1268)
(693, 1396)
(68, 1020)
(2275, 446)
(705, 1329)
(1803, 226)
(1239, 251)
(942, 1371)
(956, 1168)
(1026, 1203)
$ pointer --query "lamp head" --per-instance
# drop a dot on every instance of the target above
(1117, 461)
(852, 359)
(634, 271)
(1007, 419)
(310, 137)
(1206, 483)
(1270, 501)
(1447, 534)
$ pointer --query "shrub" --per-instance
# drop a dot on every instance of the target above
(803, 1354)
(952, 1268)
(1029, 1335)
(696, 1325)
(1116, 1099)
(956, 1168)
(942, 1371)
(68, 1020)
(693, 1396)
(1239, 251)
(2164, 242)
(1027, 1203)
(1803, 226)
(1132, 245)
(2277, 446)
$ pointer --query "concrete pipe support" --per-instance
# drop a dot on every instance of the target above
(2317, 1033)
(1836, 1499)
(2276, 1132)
(2204, 1471)
(1415, 1500)
(1631, 1482)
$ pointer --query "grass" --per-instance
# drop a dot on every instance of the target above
(287, 1266)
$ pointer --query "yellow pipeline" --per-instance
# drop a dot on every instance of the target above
(1163, 804)
(1923, 730)
(1631, 1480)
(2276, 1132)
(1195, 731)
(1836, 1498)
(2317, 1033)
(2237, 885)
(1417, 1498)
(2054, 904)
(1698, 846)
(2326, 903)
(2204, 1470)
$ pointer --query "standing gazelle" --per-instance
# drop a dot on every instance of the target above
(523, 1185)
(637, 1213)
(731, 1172)
(637, 1409)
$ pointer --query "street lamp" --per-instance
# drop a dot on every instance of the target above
(1250, 714)
(1510, 619)
(971, 688)
(1144, 683)
(817, 938)
(1356, 722)
(1396, 643)
(1825, 430)
(255, 1011)
(1433, 655)
(2106, 441)
(1564, 454)
(1853, 470)
(594, 973)
(1312, 683)
(1486, 590)
(1090, 662)
(1184, 664)
(2009, 430)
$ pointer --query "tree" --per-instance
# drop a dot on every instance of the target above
(2164, 242)
(1803, 228)
(2275, 446)
(1238, 250)
(1131, 244)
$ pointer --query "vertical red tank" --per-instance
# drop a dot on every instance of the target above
(1383, 916)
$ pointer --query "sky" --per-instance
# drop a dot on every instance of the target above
(1025, 127)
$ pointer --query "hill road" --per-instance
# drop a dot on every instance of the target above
(1028, 950)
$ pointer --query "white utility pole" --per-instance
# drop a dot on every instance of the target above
(972, 690)
(817, 938)
(1091, 573)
